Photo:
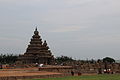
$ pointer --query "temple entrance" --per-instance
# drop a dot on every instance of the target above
(36, 60)
(48, 61)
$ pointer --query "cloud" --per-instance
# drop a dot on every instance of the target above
(10, 42)
(67, 29)
(78, 2)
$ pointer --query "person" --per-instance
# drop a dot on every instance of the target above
(41, 65)
(79, 73)
(0, 66)
(72, 73)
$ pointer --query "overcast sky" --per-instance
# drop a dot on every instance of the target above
(77, 28)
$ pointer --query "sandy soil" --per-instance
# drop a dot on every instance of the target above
(24, 72)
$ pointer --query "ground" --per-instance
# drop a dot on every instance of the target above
(34, 72)
(24, 72)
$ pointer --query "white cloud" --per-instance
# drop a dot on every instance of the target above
(78, 2)
(67, 29)
(10, 42)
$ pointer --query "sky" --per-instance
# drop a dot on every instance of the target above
(81, 29)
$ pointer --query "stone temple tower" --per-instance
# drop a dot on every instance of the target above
(37, 51)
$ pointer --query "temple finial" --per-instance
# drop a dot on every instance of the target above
(45, 41)
(36, 28)
(36, 32)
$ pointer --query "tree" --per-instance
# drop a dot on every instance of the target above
(108, 60)
(8, 58)
(62, 59)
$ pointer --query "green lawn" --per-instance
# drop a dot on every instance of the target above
(94, 77)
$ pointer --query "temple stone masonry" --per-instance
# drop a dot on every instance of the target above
(37, 52)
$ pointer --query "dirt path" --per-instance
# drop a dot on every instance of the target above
(24, 72)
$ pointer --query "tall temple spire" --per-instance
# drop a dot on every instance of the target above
(37, 51)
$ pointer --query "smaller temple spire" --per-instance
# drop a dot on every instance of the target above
(45, 43)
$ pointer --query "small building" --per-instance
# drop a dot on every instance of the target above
(37, 51)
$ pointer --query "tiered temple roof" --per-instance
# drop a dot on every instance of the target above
(37, 51)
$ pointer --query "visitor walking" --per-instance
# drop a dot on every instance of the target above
(72, 73)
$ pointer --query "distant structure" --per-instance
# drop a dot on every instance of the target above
(37, 51)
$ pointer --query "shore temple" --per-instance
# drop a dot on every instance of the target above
(37, 51)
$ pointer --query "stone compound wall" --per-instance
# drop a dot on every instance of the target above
(60, 69)
(86, 68)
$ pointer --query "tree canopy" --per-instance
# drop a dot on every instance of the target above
(108, 59)
(8, 58)
(62, 59)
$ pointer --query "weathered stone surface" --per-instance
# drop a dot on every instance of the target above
(37, 51)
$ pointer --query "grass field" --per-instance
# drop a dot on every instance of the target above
(93, 77)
